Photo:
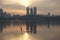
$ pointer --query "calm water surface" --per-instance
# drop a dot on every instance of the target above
(17, 31)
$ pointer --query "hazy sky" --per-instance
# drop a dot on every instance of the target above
(43, 6)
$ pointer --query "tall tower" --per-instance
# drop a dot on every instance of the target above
(1, 11)
(31, 11)
(48, 14)
(27, 10)
(35, 11)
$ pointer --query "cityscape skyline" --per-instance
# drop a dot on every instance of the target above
(43, 6)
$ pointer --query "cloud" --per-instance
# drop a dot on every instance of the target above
(15, 11)
(43, 6)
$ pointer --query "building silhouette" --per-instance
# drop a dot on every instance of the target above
(27, 10)
(35, 11)
(48, 14)
(31, 11)
(1, 12)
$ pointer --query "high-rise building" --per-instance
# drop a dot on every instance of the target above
(48, 14)
(35, 11)
(27, 10)
(1, 11)
(31, 11)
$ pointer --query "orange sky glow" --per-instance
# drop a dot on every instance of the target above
(19, 6)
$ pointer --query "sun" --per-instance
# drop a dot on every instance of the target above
(24, 2)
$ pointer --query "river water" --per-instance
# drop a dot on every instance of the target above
(17, 31)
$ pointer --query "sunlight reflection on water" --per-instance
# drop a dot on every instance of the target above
(25, 36)
(43, 33)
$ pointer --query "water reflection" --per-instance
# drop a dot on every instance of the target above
(29, 31)
(25, 36)
(31, 26)
(1, 26)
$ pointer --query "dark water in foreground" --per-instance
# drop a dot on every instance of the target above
(17, 31)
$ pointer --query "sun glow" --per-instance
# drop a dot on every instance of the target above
(24, 2)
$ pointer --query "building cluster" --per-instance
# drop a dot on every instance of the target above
(31, 11)
(4, 14)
